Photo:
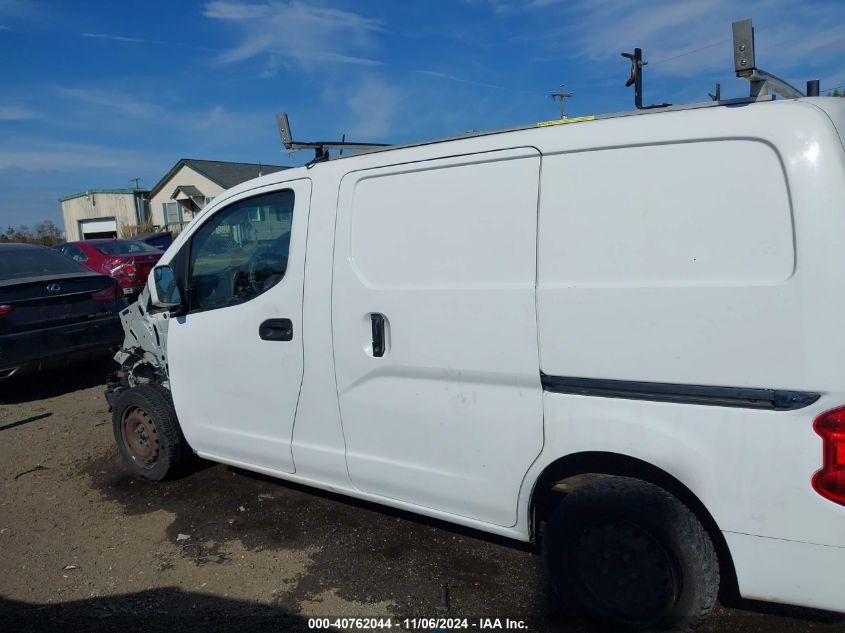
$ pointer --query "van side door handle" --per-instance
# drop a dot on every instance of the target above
(276, 330)
(378, 334)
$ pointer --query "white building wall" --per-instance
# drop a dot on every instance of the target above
(184, 176)
(120, 206)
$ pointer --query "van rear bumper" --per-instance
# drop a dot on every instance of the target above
(789, 572)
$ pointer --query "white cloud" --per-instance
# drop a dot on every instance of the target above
(229, 10)
(222, 123)
(541, 4)
(19, 8)
(69, 156)
(373, 106)
(112, 104)
(309, 35)
(439, 75)
(116, 38)
(217, 116)
(500, 7)
(791, 45)
(505, 7)
(112, 100)
(16, 113)
(690, 37)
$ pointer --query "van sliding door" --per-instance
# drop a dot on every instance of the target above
(435, 332)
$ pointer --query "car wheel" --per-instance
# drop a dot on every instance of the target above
(147, 432)
(628, 553)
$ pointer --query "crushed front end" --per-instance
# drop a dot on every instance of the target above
(142, 356)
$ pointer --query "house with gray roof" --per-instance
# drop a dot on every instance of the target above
(193, 183)
(185, 189)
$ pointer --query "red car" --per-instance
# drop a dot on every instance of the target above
(128, 261)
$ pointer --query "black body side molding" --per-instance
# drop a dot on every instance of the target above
(749, 398)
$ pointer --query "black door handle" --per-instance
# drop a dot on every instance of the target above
(378, 334)
(276, 330)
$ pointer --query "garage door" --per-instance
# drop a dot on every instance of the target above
(89, 229)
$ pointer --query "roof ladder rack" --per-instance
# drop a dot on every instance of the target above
(745, 64)
(636, 80)
(321, 148)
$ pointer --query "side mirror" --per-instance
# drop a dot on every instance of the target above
(164, 291)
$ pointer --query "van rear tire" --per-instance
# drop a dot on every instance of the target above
(628, 553)
(147, 432)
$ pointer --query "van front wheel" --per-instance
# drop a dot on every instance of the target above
(147, 432)
(627, 552)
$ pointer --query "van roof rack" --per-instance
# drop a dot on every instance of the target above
(636, 80)
(762, 83)
(321, 148)
(764, 87)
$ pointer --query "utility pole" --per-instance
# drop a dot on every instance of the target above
(137, 182)
(561, 95)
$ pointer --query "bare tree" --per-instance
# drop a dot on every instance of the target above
(45, 233)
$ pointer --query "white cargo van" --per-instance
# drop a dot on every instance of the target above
(639, 314)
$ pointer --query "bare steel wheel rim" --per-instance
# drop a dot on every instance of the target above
(627, 571)
(140, 436)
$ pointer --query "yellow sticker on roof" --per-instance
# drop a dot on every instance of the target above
(574, 119)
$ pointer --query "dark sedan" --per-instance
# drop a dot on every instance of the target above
(52, 309)
(160, 240)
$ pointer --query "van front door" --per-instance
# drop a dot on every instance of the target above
(435, 331)
(236, 357)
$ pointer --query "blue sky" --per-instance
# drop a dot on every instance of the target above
(94, 93)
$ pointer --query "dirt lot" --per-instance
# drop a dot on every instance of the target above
(86, 547)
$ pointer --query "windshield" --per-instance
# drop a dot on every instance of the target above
(125, 248)
(18, 264)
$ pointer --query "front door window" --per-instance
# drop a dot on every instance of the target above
(241, 252)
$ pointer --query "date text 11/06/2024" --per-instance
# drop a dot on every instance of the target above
(417, 624)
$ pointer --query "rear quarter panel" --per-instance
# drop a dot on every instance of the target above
(718, 267)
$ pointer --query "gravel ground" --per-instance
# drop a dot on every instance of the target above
(86, 547)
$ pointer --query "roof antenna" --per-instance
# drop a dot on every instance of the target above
(636, 80)
(745, 64)
(321, 148)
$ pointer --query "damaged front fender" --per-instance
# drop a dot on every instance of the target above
(143, 355)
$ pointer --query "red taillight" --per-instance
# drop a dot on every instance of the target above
(106, 294)
(829, 482)
(118, 267)
(5, 308)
